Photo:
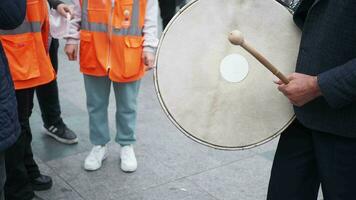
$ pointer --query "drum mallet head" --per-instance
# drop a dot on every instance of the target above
(237, 38)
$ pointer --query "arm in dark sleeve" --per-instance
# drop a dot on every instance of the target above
(12, 13)
(54, 3)
(338, 85)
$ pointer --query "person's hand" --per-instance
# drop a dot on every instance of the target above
(148, 59)
(301, 88)
(64, 10)
(72, 51)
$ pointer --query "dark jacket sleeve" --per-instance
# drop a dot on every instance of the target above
(338, 85)
(12, 13)
(54, 3)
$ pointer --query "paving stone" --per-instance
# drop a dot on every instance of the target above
(60, 189)
(246, 179)
(110, 181)
(268, 155)
(320, 197)
(182, 189)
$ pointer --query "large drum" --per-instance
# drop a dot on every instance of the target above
(217, 93)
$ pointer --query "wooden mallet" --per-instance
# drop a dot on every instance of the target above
(236, 38)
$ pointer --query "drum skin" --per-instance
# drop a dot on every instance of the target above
(191, 90)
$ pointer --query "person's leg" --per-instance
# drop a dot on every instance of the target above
(53, 53)
(31, 166)
(48, 100)
(168, 9)
(336, 158)
(294, 173)
(47, 94)
(2, 175)
(98, 91)
(126, 105)
(18, 186)
(37, 180)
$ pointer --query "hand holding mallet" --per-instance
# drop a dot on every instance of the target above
(236, 38)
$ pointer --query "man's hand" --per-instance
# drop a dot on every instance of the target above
(72, 51)
(148, 59)
(301, 89)
(64, 10)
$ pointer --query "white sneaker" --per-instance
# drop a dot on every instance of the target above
(95, 158)
(128, 159)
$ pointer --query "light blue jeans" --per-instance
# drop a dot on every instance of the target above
(98, 92)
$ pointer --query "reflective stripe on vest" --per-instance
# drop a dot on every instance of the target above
(133, 30)
(25, 27)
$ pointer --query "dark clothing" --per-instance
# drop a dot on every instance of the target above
(9, 125)
(47, 94)
(328, 50)
(12, 13)
(168, 9)
(305, 158)
(53, 53)
(54, 3)
(320, 147)
(20, 166)
(2, 175)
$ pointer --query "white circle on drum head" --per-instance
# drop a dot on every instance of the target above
(234, 68)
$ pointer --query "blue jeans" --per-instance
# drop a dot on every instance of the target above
(98, 92)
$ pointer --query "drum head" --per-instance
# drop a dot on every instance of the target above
(217, 93)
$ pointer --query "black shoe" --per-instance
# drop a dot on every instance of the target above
(42, 182)
(61, 133)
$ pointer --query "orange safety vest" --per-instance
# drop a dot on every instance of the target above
(111, 39)
(26, 48)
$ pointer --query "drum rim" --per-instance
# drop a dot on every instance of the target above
(174, 121)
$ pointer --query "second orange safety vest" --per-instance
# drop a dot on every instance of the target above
(111, 39)
(26, 48)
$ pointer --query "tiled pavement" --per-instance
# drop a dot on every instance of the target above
(171, 166)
